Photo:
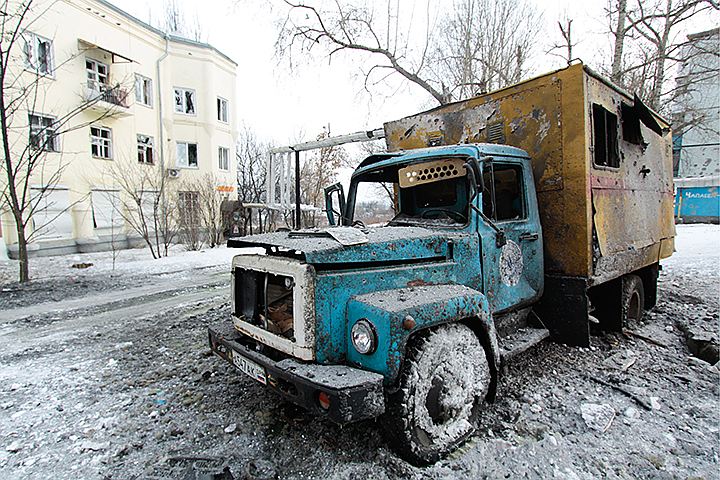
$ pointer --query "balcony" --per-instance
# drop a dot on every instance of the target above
(112, 101)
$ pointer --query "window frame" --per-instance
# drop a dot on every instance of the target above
(30, 49)
(143, 147)
(96, 83)
(44, 131)
(520, 171)
(220, 103)
(101, 142)
(142, 93)
(609, 142)
(178, 145)
(183, 106)
(226, 150)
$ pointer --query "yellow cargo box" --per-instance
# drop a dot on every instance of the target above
(602, 163)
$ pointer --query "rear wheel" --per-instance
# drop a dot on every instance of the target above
(633, 299)
(444, 382)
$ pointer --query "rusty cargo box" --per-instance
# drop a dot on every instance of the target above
(602, 162)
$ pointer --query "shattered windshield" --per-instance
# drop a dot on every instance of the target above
(434, 192)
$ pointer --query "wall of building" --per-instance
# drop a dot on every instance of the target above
(93, 29)
(700, 76)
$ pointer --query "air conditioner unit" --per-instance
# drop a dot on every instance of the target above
(173, 172)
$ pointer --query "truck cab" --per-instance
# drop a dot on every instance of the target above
(397, 317)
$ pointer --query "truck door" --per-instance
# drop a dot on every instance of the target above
(513, 271)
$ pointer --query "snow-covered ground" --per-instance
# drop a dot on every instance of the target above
(136, 261)
(107, 375)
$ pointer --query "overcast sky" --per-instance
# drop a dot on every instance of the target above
(284, 106)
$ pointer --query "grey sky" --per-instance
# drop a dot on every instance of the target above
(286, 106)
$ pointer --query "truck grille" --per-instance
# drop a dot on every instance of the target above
(266, 300)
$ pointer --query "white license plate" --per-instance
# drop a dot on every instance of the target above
(249, 367)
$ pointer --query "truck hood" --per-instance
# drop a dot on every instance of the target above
(384, 244)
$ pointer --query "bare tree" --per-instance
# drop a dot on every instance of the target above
(252, 177)
(647, 45)
(479, 45)
(28, 176)
(176, 22)
(483, 45)
(319, 169)
(381, 35)
(565, 26)
(198, 212)
(146, 203)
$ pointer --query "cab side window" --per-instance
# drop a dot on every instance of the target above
(506, 183)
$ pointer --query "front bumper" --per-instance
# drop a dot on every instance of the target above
(354, 394)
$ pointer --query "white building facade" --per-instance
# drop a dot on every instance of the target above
(163, 104)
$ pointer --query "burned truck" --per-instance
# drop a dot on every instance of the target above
(542, 209)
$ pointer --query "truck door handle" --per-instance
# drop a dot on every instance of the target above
(529, 236)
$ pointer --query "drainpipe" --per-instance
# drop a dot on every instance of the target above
(161, 141)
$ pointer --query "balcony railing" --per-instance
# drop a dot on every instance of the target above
(96, 91)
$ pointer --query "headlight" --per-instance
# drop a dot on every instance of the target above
(364, 338)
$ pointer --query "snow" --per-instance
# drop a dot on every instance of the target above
(137, 261)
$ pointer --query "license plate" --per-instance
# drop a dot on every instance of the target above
(249, 367)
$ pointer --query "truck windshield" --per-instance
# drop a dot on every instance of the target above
(420, 194)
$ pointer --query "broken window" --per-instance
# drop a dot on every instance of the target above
(42, 133)
(145, 146)
(97, 75)
(505, 182)
(106, 210)
(186, 155)
(51, 217)
(223, 158)
(143, 90)
(38, 53)
(222, 110)
(101, 142)
(185, 101)
(605, 129)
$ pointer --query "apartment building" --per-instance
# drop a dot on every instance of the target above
(697, 144)
(150, 102)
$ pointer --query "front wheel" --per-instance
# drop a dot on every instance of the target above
(444, 382)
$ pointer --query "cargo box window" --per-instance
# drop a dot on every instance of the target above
(605, 129)
(506, 183)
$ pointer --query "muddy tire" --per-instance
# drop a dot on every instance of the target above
(443, 385)
(633, 300)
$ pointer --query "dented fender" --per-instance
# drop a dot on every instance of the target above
(399, 314)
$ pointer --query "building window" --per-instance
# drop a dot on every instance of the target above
(51, 216)
(145, 146)
(143, 90)
(101, 142)
(42, 133)
(106, 210)
(185, 101)
(97, 75)
(187, 155)
(38, 53)
(605, 137)
(189, 208)
(222, 110)
(223, 158)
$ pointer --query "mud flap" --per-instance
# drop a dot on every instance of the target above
(563, 309)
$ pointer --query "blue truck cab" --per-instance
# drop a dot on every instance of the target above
(356, 320)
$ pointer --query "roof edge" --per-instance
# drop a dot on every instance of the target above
(157, 31)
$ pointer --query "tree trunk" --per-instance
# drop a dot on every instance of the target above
(654, 100)
(619, 42)
(22, 253)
